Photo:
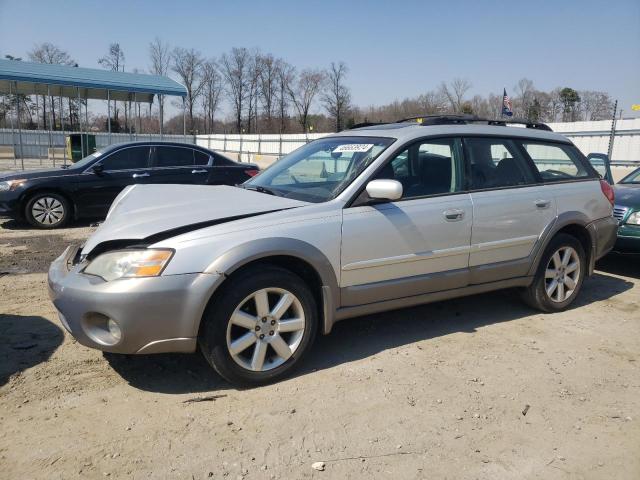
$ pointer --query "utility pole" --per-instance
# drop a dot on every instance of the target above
(613, 130)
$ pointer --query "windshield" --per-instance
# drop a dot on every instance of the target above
(320, 170)
(633, 177)
(86, 161)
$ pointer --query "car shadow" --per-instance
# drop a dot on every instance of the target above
(357, 338)
(626, 264)
(10, 224)
(26, 342)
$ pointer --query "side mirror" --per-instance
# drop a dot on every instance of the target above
(97, 169)
(384, 190)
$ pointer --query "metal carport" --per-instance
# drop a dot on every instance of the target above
(18, 77)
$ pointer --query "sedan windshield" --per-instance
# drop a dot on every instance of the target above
(633, 177)
(320, 170)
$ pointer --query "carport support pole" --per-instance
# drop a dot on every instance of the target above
(137, 107)
(64, 145)
(13, 132)
(160, 112)
(19, 128)
(184, 119)
(109, 115)
(80, 123)
(51, 124)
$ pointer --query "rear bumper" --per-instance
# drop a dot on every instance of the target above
(154, 315)
(603, 234)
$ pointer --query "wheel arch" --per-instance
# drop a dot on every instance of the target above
(29, 194)
(576, 224)
(297, 256)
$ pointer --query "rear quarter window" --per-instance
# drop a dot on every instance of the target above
(556, 162)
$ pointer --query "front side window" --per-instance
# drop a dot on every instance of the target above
(426, 168)
(173, 156)
(555, 162)
(321, 169)
(133, 158)
(497, 163)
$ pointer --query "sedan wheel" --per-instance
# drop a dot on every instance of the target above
(265, 329)
(562, 274)
(47, 210)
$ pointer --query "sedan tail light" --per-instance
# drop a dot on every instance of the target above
(252, 172)
(608, 192)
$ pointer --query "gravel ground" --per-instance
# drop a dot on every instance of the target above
(481, 387)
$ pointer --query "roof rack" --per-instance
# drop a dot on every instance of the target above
(466, 119)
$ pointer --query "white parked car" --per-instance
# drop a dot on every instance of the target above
(363, 221)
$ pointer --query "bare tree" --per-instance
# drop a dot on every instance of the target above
(524, 97)
(285, 75)
(337, 98)
(303, 91)
(114, 60)
(211, 92)
(268, 87)
(455, 92)
(595, 105)
(51, 54)
(253, 90)
(188, 65)
(160, 54)
(235, 67)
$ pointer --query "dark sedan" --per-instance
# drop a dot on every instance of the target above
(50, 198)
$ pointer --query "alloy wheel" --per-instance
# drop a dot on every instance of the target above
(47, 211)
(562, 274)
(265, 329)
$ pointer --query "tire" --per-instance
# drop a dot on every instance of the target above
(47, 210)
(236, 334)
(558, 279)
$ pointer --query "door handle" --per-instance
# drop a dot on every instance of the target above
(199, 171)
(140, 175)
(543, 203)
(453, 215)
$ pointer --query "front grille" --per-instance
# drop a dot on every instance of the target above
(619, 212)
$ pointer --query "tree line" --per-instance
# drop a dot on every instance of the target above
(264, 93)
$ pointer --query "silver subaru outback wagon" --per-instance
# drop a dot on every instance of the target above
(367, 220)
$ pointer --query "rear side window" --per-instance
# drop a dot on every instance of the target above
(173, 156)
(497, 163)
(556, 162)
(200, 158)
(127, 159)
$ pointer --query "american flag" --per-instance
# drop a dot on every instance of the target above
(506, 104)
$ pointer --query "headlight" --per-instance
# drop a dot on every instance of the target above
(129, 264)
(634, 219)
(10, 185)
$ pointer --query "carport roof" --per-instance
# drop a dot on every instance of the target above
(33, 78)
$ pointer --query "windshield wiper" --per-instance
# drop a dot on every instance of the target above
(261, 189)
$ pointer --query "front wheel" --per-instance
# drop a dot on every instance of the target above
(259, 326)
(559, 276)
(47, 210)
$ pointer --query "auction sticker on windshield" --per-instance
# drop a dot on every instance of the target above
(353, 147)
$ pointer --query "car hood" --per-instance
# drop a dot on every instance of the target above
(32, 174)
(154, 212)
(627, 195)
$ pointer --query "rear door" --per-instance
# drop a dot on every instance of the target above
(94, 192)
(414, 245)
(176, 164)
(511, 209)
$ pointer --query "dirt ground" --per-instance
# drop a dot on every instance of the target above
(478, 388)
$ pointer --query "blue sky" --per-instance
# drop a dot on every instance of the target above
(394, 49)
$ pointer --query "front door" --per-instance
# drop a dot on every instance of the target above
(415, 245)
(94, 192)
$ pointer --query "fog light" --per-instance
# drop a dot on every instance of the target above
(114, 329)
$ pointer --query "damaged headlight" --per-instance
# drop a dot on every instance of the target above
(129, 264)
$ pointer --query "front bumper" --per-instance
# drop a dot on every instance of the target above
(10, 205)
(154, 314)
(628, 238)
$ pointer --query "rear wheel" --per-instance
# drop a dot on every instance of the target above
(559, 276)
(47, 210)
(259, 326)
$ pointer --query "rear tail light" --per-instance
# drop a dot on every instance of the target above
(608, 192)
(252, 172)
